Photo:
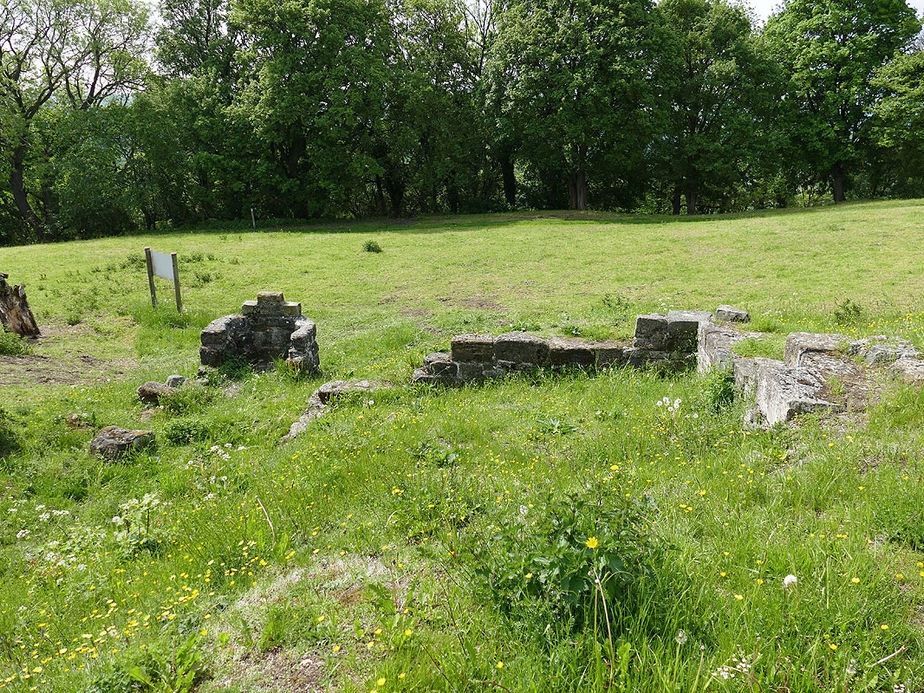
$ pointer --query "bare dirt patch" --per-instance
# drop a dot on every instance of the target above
(70, 368)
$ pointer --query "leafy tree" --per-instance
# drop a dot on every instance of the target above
(715, 87)
(313, 95)
(429, 139)
(196, 37)
(831, 50)
(570, 78)
(76, 54)
(899, 123)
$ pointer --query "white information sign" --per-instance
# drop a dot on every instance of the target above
(162, 265)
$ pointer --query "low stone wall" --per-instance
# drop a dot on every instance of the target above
(266, 330)
(669, 341)
(819, 372)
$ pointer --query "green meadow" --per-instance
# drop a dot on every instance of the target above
(562, 531)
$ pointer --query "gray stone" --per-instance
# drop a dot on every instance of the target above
(571, 352)
(800, 343)
(113, 442)
(676, 331)
(880, 350)
(440, 364)
(650, 331)
(319, 402)
(175, 381)
(609, 354)
(714, 346)
(783, 392)
(526, 350)
(473, 347)
(909, 369)
(269, 329)
(339, 388)
(470, 370)
(151, 392)
(730, 314)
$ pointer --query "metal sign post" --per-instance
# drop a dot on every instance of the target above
(166, 267)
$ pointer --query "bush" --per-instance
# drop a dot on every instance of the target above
(8, 440)
(847, 312)
(12, 344)
(719, 389)
(372, 247)
(575, 550)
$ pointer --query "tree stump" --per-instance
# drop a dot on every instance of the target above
(15, 314)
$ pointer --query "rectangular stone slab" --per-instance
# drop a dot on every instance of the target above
(521, 348)
(473, 347)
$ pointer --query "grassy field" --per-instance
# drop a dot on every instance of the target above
(421, 539)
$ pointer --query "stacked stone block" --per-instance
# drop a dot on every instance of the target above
(266, 330)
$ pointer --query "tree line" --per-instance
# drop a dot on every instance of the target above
(114, 119)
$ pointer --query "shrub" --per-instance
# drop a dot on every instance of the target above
(847, 312)
(719, 389)
(187, 399)
(12, 344)
(8, 440)
(135, 532)
(185, 431)
(372, 247)
(575, 550)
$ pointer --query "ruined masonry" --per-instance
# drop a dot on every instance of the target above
(266, 330)
(819, 372)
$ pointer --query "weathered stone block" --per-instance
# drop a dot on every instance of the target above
(176, 381)
(270, 298)
(731, 314)
(683, 329)
(800, 343)
(440, 364)
(522, 349)
(571, 352)
(151, 392)
(609, 354)
(783, 392)
(472, 347)
(650, 331)
(470, 370)
(910, 370)
(210, 357)
(113, 442)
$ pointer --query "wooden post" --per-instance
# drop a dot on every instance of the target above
(147, 257)
(176, 283)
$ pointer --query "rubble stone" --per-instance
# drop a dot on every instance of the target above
(114, 442)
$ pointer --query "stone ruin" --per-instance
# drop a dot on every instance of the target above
(667, 341)
(819, 372)
(265, 331)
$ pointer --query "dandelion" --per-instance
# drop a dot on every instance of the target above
(855, 580)
(790, 581)
(681, 637)
(592, 543)
(380, 682)
(499, 665)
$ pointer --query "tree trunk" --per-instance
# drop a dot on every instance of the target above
(691, 195)
(395, 190)
(838, 183)
(675, 202)
(510, 180)
(15, 314)
(18, 188)
(577, 190)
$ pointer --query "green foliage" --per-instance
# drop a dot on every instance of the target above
(719, 389)
(571, 552)
(12, 344)
(371, 246)
(847, 312)
(137, 531)
(831, 51)
(180, 670)
(8, 439)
